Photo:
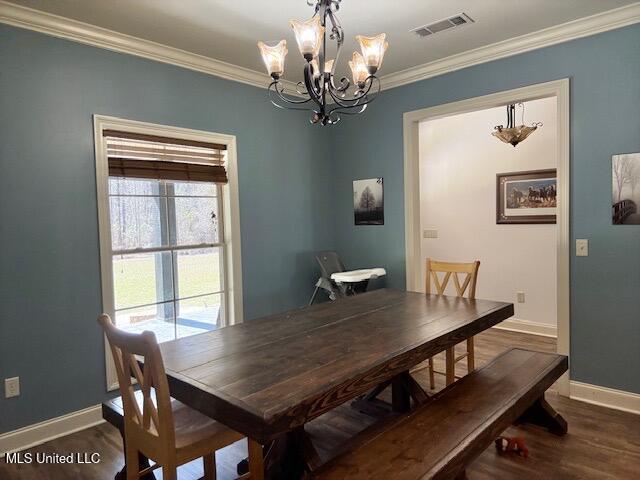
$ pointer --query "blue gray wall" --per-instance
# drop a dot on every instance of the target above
(295, 196)
(605, 120)
(49, 271)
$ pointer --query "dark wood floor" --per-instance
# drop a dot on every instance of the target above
(601, 444)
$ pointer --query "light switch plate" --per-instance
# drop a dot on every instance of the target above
(582, 247)
(520, 296)
(11, 387)
(430, 234)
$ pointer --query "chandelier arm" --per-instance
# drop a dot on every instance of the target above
(300, 85)
(352, 110)
(371, 98)
(338, 34)
(345, 103)
(365, 100)
(334, 117)
(344, 85)
(334, 114)
(286, 107)
(321, 11)
(368, 83)
(315, 94)
(340, 110)
(362, 95)
(279, 89)
(276, 87)
(337, 29)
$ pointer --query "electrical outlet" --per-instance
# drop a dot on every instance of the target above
(520, 297)
(582, 247)
(11, 387)
(430, 234)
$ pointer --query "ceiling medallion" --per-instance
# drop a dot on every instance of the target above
(328, 99)
(514, 134)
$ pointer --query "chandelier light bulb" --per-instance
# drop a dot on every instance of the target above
(373, 50)
(359, 70)
(273, 57)
(328, 66)
(309, 36)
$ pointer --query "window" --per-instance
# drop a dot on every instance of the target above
(167, 256)
(169, 224)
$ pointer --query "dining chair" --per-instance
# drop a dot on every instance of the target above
(469, 274)
(164, 430)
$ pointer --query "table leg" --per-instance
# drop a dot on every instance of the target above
(415, 391)
(370, 404)
(400, 399)
(281, 459)
(404, 388)
(306, 449)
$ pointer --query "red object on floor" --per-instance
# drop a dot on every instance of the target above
(512, 444)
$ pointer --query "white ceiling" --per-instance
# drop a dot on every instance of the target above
(228, 30)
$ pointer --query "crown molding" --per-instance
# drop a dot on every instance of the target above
(62, 27)
(57, 26)
(583, 27)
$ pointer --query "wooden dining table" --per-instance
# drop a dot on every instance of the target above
(268, 377)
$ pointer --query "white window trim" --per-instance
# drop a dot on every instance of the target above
(231, 215)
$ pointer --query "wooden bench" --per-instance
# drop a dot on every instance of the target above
(441, 437)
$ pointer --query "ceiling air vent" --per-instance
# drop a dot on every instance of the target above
(442, 25)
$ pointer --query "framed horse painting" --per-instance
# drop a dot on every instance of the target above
(526, 197)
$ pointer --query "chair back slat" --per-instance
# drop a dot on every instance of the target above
(152, 418)
(330, 263)
(468, 272)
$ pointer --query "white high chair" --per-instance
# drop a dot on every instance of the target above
(338, 282)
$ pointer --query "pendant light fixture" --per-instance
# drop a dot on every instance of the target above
(323, 94)
(511, 133)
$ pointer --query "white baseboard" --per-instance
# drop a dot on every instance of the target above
(42, 432)
(526, 326)
(605, 397)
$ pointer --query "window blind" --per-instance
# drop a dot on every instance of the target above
(162, 158)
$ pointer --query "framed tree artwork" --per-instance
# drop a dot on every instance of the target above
(526, 197)
(625, 173)
(368, 201)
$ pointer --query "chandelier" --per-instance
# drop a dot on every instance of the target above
(512, 134)
(326, 97)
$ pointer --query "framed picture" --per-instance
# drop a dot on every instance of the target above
(526, 197)
(368, 201)
(625, 173)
